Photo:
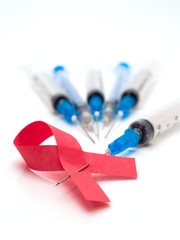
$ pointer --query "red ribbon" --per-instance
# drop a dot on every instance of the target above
(67, 155)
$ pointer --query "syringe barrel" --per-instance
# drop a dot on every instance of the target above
(122, 76)
(122, 73)
(61, 77)
(165, 118)
(139, 85)
(155, 124)
(46, 89)
(94, 83)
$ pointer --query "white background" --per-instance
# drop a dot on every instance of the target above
(82, 34)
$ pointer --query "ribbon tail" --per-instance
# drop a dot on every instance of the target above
(89, 187)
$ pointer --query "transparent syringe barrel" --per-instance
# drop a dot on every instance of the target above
(140, 84)
(46, 89)
(165, 118)
(153, 125)
(122, 73)
(62, 79)
(94, 82)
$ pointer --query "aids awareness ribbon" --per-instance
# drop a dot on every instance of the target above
(68, 156)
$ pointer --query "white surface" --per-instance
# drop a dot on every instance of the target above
(81, 35)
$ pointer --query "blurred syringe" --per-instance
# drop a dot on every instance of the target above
(61, 77)
(122, 73)
(134, 93)
(95, 95)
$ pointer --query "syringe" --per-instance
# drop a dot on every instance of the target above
(95, 95)
(53, 96)
(144, 130)
(84, 114)
(133, 94)
(122, 76)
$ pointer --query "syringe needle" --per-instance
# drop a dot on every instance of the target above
(70, 176)
(97, 114)
(97, 124)
(86, 132)
(88, 135)
(111, 127)
(120, 114)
